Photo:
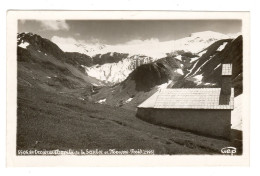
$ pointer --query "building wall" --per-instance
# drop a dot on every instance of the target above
(208, 122)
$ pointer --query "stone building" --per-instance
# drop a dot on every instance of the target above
(205, 111)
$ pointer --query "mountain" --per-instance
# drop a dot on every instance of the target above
(33, 42)
(141, 83)
(43, 65)
(206, 71)
(179, 69)
(113, 64)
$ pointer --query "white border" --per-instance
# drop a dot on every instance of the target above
(157, 160)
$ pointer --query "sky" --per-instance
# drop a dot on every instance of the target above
(124, 31)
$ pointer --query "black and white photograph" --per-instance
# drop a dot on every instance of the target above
(138, 87)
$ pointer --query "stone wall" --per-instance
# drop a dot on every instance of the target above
(207, 122)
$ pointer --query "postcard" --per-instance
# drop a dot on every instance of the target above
(127, 88)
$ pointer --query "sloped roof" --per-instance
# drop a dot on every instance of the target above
(226, 69)
(191, 98)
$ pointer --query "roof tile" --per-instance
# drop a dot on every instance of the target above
(196, 98)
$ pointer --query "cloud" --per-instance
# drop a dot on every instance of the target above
(54, 25)
(147, 41)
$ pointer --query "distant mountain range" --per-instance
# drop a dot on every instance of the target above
(113, 63)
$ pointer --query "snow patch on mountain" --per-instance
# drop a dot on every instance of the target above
(111, 72)
(217, 66)
(128, 100)
(191, 70)
(201, 53)
(24, 45)
(209, 84)
(194, 59)
(179, 71)
(221, 47)
(198, 69)
(164, 85)
(102, 101)
(178, 57)
(198, 79)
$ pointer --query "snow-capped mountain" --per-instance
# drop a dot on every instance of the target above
(194, 43)
(113, 70)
